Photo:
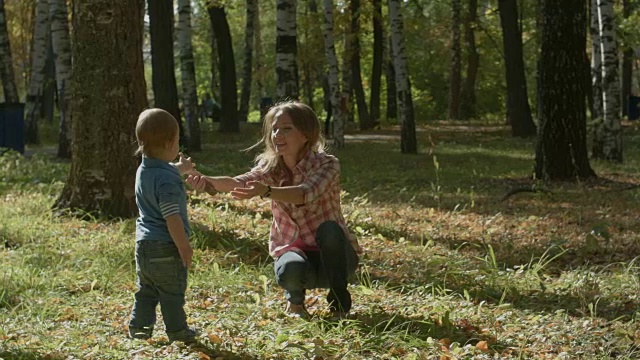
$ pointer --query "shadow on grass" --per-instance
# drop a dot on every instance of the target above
(422, 327)
(248, 251)
(26, 354)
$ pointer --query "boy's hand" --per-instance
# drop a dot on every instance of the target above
(186, 254)
(185, 165)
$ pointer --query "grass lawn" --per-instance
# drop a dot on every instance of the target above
(466, 257)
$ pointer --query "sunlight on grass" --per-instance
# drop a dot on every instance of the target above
(451, 269)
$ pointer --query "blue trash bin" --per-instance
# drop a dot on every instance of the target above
(12, 126)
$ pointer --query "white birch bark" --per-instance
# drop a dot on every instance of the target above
(334, 84)
(596, 72)
(7, 73)
(61, 43)
(610, 134)
(286, 48)
(188, 75)
(39, 57)
(405, 103)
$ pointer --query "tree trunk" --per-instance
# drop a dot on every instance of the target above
(228, 98)
(408, 143)
(107, 41)
(595, 100)
(347, 73)
(607, 142)
(39, 58)
(7, 74)
(61, 42)
(518, 109)
(468, 95)
(561, 152)
(334, 84)
(376, 67)
(163, 76)
(286, 50)
(248, 58)
(188, 76)
(363, 111)
(628, 8)
(48, 103)
(257, 46)
(215, 65)
(392, 94)
(455, 76)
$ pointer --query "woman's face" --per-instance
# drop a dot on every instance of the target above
(287, 140)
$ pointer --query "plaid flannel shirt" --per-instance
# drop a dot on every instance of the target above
(294, 226)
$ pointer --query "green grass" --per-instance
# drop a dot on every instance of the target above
(450, 268)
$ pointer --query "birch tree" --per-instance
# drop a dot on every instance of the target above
(607, 142)
(334, 83)
(245, 92)
(408, 143)
(36, 83)
(6, 70)
(257, 47)
(61, 44)
(286, 49)
(188, 75)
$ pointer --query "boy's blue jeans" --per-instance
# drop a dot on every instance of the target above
(328, 268)
(162, 278)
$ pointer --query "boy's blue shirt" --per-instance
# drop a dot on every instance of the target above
(157, 182)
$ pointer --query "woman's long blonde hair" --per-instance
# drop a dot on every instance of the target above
(303, 119)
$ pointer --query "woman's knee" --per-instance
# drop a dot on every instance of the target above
(330, 236)
(291, 274)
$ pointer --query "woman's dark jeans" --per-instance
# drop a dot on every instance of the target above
(329, 268)
(162, 278)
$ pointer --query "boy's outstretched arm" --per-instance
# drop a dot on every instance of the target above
(185, 165)
(179, 236)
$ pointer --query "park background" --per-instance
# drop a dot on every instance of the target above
(489, 168)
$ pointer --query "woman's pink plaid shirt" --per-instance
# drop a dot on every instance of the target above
(294, 226)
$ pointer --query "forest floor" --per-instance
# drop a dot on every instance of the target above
(467, 257)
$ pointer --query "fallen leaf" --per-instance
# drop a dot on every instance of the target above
(482, 346)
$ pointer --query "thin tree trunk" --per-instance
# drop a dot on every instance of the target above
(163, 76)
(392, 93)
(607, 142)
(7, 74)
(518, 109)
(363, 111)
(562, 144)
(61, 42)
(257, 46)
(455, 79)
(468, 96)
(334, 84)
(347, 73)
(286, 50)
(39, 58)
(188, 76)
(376, 67)
(215, 65)
(248, 58)
(408, 143)
(107, 40)
(47, 105)
(628, 8)
(228, 98)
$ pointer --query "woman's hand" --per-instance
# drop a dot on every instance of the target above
(197, 181)
(252, 189)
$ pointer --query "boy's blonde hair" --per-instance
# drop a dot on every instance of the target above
(154, 129)
(303, 119)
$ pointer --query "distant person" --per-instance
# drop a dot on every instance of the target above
(163, 252)
(211, 108)
(309, 239)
